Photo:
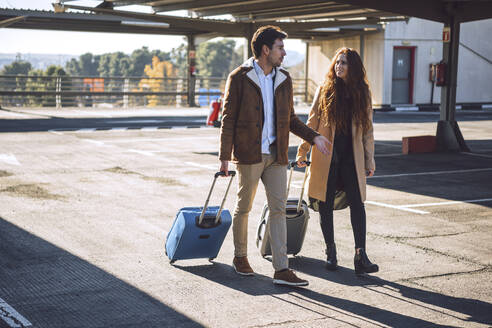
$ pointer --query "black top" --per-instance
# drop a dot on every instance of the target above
(342, 146)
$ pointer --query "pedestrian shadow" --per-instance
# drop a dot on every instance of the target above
(225, 275)
(51, 287)
(476, 310)
(309, 300)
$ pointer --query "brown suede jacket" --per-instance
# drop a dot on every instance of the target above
(242, 116)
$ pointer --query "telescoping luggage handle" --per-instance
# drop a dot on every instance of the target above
(291, 166)
(218, 174)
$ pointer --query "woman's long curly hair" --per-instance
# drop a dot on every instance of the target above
(344, 102)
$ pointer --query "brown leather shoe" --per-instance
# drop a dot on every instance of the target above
(241, 266)
(287, 277)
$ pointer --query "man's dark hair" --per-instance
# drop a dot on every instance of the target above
(266, 35)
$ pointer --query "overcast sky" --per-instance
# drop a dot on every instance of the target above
(76, 43)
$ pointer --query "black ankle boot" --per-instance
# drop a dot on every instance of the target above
(331, 257)
(362, 263)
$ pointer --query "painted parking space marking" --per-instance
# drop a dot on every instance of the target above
(54, 131)
(93, 113)
(387, 144)
(96, 142)
(401, 208)
(478, 155)
(389, 155)
(179, 139)
(126, 128)
(118, 129)
(431, 173)
(141, 152)
(134, 121)
(410, 207)
(87, 130)
(12, 317)
(9, 159)
(450, 202)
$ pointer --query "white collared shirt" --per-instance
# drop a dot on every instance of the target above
(268, 135)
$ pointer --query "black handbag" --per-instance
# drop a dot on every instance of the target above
(339, 203)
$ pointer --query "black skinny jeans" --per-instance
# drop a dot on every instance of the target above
(345, 170)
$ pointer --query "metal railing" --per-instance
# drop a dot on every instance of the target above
(89, 91)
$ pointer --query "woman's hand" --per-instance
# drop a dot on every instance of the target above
(369, 173)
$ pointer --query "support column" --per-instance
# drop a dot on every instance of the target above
(362, 44)
(448, 135)
(248, 53)
(191, 70)
(306, 74)
(58, 90)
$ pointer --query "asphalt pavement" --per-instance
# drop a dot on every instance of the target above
(88, 196)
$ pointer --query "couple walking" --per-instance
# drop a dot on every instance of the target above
(257, 117)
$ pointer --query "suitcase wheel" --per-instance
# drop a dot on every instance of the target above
(172, 261)
(211, 259)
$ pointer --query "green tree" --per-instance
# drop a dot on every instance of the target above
(180, 60)
(214, 58)
(16, 68)
(72, 67)
(89, 64)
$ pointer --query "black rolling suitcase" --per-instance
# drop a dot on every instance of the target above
(297, 216)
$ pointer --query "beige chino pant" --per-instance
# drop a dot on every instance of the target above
(274, 178)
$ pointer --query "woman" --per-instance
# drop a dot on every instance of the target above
(342, 112)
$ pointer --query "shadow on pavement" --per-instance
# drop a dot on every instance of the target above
(101, 123)
(50, 287)
(262, 285)
(416, 173)
(476, 310)
(224, 274)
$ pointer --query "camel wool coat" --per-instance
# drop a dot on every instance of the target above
(362, 144)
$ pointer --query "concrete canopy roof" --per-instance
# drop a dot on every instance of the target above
(268, 10)
(309, 20)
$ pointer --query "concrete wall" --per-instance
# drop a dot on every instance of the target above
(321, 53)
(475, 62)
(374, 64)
(474, 67)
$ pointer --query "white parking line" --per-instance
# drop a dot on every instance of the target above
(478, 155)
(431, 173)
(9, 159)
(135, 121)
(387, 144)
(93, 113)
(141, 152)
(96, 142)
(149, 128)
(86, 130)
(450, 203)
(118, 129)
(162, 139)
(402, 208)
(389, 155)
(11, 316)
(55, 132)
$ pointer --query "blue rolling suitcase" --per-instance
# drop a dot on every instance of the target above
(198, 232)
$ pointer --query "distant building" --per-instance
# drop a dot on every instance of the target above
(397, 61)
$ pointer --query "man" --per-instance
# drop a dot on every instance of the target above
(257, 117)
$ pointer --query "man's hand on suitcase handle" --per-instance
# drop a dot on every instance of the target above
(224, 167)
